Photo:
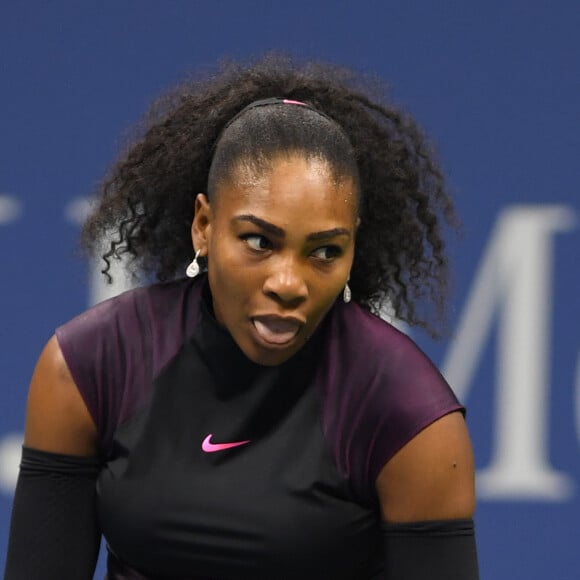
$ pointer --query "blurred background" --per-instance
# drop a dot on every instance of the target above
(495, 84)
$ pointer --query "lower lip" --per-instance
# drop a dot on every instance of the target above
(279, 342)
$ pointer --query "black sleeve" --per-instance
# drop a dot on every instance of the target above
(53, 533)
(434, 550)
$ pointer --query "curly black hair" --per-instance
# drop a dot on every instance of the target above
(146, 203)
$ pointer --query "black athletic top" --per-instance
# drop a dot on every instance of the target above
(216, 467)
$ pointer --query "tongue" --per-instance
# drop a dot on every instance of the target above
(276, 331)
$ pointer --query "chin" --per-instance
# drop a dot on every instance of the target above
(270, 357)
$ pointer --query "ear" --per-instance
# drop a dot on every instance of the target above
(201, 225)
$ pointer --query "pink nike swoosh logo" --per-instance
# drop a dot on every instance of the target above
(210, 447)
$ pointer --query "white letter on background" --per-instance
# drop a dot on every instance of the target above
(515, 277)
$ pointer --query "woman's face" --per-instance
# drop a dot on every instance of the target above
(280, 247)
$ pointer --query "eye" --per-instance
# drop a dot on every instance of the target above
(327, 253)
(257, 242)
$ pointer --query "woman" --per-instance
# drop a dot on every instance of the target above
(255, 420)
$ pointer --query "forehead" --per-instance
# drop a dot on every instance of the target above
(289, 187)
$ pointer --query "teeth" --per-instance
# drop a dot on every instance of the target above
(277, 331)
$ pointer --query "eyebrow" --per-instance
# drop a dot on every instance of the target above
(280, 233)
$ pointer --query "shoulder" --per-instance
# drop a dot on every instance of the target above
(129, 318)
(114, 349)
(380, 391)
(366, 331)
(421, 462)
(134, 306)
(375, 350)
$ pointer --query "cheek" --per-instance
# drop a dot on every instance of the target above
(230, 282)
(324, 292)
(229, 264)
(222, 256)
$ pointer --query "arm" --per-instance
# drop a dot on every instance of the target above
(427, 498)
(57, 418)
(53, 531)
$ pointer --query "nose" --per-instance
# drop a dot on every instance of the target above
(285, 283)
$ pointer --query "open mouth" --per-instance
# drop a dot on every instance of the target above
(276, 331)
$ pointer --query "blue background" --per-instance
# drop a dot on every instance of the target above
(495, 84)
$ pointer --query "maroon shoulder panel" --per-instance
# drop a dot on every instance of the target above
(116, 348)
(379, 390)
